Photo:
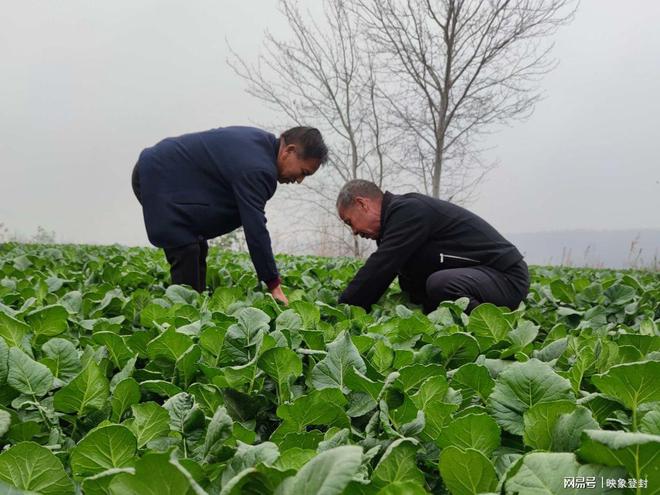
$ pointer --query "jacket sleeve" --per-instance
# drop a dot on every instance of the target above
(406, 230)
(251, 191)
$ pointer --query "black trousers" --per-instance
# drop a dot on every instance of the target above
(480, 284)
(187, 263)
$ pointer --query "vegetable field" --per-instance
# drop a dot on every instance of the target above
(113, 383)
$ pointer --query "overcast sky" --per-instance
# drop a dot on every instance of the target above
(84, 86)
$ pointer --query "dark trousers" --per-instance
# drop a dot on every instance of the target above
(480, 284)
(187, 263)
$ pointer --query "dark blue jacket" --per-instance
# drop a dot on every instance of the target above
(201, 185)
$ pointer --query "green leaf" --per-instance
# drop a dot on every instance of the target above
(489, 325)
(309, 313)
(540, 420)
(569, 427)
(117, 348)
(650, 423)
(519, 387)
(61, 358)
(243, 339)
(255, 481)
(639, 453)
(155, 474)
(289, 320)
(472, 431)
(562, 291)
(150, 421)
(30, 466)
(328, 473)
(28, 376)
(218, 431)
(181, 295)
(543, 473)
(436, 416)
(160, 387)
(7, 489)
(471, 379)
(4, 361)
(12, 330)
(382, 356)
(631, 384)
(433, 390)
(319, 407)
(186, 365)
(169, 345)
(207, 396)
(126, 393)
(294, 458)
(520, 337)
(87, 391)
(281, 364)
(357, 382)
(106, 447)
(619, 294)
(248, 456)
(48, 320)
(467, 472)
(99, 484)
(398, 464)
(411, 377)
(182, 410)
(402, 488)
(457, 349)
(331, 371)
(5, 422)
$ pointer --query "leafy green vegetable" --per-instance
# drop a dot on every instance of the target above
(520, 387)
(28, 376)
(30, 466)
(467, 472)
(113, 382)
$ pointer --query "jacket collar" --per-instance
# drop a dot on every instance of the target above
(387, 199)
(276, 147)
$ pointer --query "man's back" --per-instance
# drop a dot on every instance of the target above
(453, 236)
(189, 183)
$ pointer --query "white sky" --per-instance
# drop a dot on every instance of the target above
(84, 86)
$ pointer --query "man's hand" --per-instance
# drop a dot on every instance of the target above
(277, 293)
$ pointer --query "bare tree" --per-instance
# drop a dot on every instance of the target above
(455, 70)
(322, 76)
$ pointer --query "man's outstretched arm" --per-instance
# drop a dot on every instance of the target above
(407, 230)
(251, 191)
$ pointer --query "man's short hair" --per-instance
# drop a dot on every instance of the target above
(309, 140)
(357, 188)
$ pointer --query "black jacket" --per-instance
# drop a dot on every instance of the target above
(201, 185)
(420, 235)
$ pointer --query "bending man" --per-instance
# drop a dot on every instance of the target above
(438, 250)
(199, 186)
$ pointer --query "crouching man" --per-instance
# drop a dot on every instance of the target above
(438, 250)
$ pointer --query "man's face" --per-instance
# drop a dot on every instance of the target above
(363, 217)
(292, 168)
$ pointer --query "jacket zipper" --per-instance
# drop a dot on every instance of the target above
(443, 256)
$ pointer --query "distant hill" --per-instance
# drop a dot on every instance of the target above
(593, 248)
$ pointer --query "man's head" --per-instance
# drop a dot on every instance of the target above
(358, 205)
(301, 153)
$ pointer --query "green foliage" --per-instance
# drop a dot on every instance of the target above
(113, 383)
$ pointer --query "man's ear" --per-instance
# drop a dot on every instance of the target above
(361, 202)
